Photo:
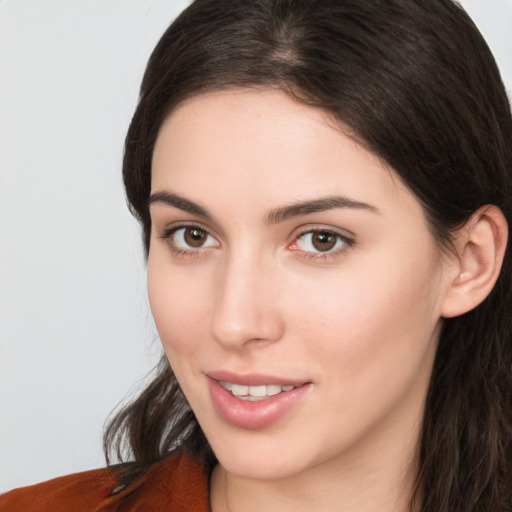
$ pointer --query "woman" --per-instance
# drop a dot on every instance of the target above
(324, 189)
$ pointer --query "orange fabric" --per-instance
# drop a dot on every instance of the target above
(177, 484)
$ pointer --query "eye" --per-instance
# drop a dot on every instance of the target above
(320, 241)
(189, 237)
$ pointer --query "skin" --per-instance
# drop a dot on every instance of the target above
(359, 322)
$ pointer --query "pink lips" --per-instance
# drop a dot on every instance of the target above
(253, 415)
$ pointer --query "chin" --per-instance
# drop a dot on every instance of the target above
(260, 456)
(259, 469)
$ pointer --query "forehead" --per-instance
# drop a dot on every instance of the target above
(262, 147)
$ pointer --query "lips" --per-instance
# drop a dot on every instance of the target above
(256, 401)
(253, 379)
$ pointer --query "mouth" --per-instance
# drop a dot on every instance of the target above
(255, 393)
(255, 401)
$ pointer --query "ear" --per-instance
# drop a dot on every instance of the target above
(480, 246)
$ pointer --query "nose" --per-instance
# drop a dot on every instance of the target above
(245, 311)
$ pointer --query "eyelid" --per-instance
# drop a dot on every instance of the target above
(174, 226)
(347, 235)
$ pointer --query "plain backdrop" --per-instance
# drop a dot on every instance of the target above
(76, 333)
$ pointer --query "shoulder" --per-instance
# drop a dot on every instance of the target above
(83, 489)
(177, 483)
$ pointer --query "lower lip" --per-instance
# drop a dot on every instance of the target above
(253, 415)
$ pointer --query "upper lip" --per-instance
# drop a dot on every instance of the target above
(252, 379)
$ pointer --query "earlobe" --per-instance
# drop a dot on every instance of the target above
(480, 245)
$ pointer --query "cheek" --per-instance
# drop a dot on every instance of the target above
(179, 305)
(369, 320)
(370, 342)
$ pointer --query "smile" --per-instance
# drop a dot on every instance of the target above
(250, 403)
(255, 393)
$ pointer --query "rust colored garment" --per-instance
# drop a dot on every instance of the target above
(178, 484)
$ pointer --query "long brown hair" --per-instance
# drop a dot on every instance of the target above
(417, 84)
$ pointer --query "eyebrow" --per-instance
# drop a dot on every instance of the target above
(274, 216)
(317, 205)
(179, 202)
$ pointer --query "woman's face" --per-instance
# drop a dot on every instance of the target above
(294, 283)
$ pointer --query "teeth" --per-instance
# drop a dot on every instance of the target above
(258, 390)
(227, 385)
(273, 389)
(238, 390)
(254, 393)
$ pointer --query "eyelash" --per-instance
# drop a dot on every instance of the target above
(347, 242)
(180, 251)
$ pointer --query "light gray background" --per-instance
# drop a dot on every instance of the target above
(75, 327)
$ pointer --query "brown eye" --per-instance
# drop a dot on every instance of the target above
(194, 237)
(323, 240)
(190, 237)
